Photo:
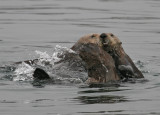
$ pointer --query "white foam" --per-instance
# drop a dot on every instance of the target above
(23, 72)
(57, 55)
(59, 51)
(43, 56)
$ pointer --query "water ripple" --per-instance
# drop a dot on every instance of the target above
(135, 18)
(101, 90)
(38, 46)
(6, 101)
(101, 99)
(28, 8)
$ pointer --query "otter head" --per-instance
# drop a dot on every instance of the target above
(87, 39)
(110, 43)
(90, 38)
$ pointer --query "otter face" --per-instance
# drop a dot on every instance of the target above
(110, 42)
(107, 41)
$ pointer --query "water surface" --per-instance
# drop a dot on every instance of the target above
(30, 25)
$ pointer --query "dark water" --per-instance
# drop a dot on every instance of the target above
(30, 25)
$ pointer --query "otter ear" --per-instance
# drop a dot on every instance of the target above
(112, 35)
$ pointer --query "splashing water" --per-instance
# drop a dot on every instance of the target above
(58, 54)
(59, 51)
(24, 71)
(43, 56)
(141, 66)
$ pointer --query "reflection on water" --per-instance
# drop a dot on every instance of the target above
(101, 95)
(102, 90)
(101, 99)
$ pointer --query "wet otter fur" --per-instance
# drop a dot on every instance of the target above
(102, 56)
(123, 62)
(99, 64)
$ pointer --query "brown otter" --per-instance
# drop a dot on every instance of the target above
(99, 64)
(102, 56)
(123, 62)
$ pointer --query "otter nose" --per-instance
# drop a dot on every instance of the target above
(103, 35)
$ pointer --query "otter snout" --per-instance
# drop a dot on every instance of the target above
(104, 39)
(103, 35)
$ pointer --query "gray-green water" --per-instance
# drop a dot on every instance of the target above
(30, 25)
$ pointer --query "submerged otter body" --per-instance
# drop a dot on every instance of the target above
(101, 56)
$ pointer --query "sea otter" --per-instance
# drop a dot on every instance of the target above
(101, 56)
(99, 64)
(123, 62)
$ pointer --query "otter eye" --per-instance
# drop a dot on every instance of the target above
(112, 35)
(93, 36)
